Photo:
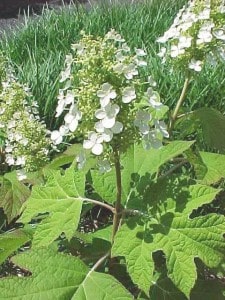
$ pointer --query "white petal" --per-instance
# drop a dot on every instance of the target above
(69, 97)
(114, 110)
(99, 127)
(101, 94)
(106, 87)
(117, 128)
(69, 118)
(73, 125)
(112, 95)
(55, 135)
(108, 122)
(105, 101)
(140, 52)
(87, 144)
(92, 136)
(107, 135)
(100, 114)
(97, 149)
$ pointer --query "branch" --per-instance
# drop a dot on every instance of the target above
(99, 262)
(117, 213)
(111, 208)
(173, 169)
(178, 106)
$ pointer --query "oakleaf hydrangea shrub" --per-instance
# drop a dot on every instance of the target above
(106, 100)
(26, 145)
(197, 35)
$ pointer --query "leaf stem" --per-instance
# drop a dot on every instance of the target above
(118, 208)
(178, 105)
(111, 208)
(99, 262)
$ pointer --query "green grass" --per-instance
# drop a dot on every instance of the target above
(38, 48)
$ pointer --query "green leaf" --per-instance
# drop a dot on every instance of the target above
(13, 193)
(61, 199)
(215, 164)
(180, 239)
(203, 290)
(133, 243)
(59, 277)
(101, 286)
(10, 242)
(212, 123)
(136, 161)
(141, 161)
(167, 227)
(176, 195)
(105, 185)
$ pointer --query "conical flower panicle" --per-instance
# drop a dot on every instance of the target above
(103, 95)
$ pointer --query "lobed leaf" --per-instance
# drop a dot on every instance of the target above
(150, 162)
(61, 199)
(166, 226)
(180, 239)
(59, 277)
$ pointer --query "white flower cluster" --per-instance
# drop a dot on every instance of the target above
(196, 35)
(25, 145)
(103, 99)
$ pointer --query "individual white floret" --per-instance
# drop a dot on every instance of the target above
(94, 142)
(106, 93)
(108, 115)
(195, 65)
(128, 94)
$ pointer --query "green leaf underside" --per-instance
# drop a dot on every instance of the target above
(59, 277)
(10, 242)
(136, 161)
(215, 164)
(180, 238)
(61, 199)
(13, 193)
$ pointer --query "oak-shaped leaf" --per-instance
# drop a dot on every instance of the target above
(60, 202)
(166, 226)
(139, 161)
(13, 193)
(59, 277)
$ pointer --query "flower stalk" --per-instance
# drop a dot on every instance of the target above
(178, 105)
(118, 206)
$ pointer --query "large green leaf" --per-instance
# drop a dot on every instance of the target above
(10, 242)
(59, 277)
(215, 164)
(212, 123)
(101, 286)
(13, 193)
(61, 199)
(173, 232)
(136, 161)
